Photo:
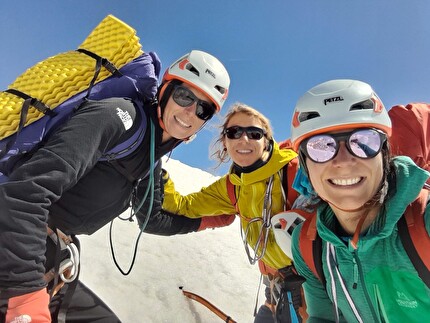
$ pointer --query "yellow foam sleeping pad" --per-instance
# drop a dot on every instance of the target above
(59, 77)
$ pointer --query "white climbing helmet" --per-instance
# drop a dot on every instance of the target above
(204, 72)
(337, 105)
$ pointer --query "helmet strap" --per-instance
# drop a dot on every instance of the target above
(160, 119)
(163, 94)
(194, 135)
(356, 236)
(367, 207)
(165, 91)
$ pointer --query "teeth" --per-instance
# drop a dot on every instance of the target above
(182, 123)
(346, 182)
(243, 151)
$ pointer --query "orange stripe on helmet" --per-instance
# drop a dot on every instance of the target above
(296, 121)
(378, 107)
(183, 63)
(224, 97)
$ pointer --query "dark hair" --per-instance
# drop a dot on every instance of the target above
(165, 91)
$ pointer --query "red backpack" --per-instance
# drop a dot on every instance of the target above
(411, 137)
(411, 132)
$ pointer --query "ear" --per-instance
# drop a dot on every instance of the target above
(223, 143)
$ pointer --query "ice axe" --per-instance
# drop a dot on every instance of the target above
(226, 318)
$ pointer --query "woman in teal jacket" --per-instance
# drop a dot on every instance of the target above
(340, 129)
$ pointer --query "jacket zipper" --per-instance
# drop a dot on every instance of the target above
(358, 275)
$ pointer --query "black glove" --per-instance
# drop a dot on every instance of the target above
(161, 222)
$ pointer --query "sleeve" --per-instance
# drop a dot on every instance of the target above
(210, 200)
(318, 305)
(159, 221)
(25, 199)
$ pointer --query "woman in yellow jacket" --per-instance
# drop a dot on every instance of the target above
(258, 179)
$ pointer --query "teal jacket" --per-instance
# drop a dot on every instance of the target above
(378, 276)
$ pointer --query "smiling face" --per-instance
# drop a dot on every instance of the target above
(182, 122)
(346, 181)
(245, 151)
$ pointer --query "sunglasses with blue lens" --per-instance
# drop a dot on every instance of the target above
(235, 132)
(185, 98)
(362, 143)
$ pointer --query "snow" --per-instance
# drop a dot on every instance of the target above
(211, 263)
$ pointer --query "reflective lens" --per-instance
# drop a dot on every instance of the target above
(236, 132)
(185, 98)
(362, 143)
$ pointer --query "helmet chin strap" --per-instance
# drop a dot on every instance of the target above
(356, 236)
(194, 135)
(367, 207)
(160, 119)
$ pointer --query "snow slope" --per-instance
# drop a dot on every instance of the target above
(211, 263)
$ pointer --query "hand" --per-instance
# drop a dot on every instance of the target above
(164, 175)
(31, 307)
(216, 221)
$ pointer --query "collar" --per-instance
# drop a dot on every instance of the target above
(276, 161)
(238, 170)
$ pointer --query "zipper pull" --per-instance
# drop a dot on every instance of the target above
(355, 272)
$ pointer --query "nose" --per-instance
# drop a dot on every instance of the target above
(343, 156)
(191, 109)
(244, 136)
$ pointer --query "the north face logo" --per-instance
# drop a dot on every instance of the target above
(125, 118)
(22, 319)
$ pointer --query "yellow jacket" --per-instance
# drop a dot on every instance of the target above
(250, 189)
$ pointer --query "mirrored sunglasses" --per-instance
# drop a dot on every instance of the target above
(185, 98)
(362, 143)
(236, 132)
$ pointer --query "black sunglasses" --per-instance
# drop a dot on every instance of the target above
(362, 143)
(236, 132)
(185, 98)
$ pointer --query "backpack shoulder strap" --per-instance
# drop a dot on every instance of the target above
(231, 191)
(414, 236)
(310, 244)
(288, 173)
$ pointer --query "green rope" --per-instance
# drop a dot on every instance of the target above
(149, 190)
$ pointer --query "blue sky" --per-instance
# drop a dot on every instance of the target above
(275, 50)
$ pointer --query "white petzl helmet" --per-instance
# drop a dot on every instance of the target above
(283, 225)
(338, 105)
(204, 72)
